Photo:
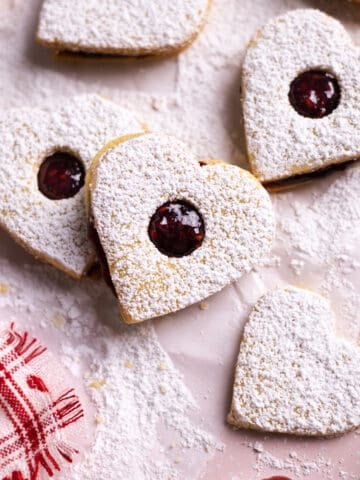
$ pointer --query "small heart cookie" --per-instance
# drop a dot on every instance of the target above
(44, 157)
(174, 232)
(293, 374)
(121, 27)
(300, 96)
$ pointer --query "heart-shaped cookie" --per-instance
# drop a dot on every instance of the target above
(293, 375)
(300, 96)
(121, 27)
(44, 156)
(174, 232)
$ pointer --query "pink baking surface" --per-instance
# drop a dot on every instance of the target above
(205, 347)
(203, 344)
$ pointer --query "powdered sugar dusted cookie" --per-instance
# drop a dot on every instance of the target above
(293, 375)
(174, 232)
(300, 96)
(44, 156)
(121, 27)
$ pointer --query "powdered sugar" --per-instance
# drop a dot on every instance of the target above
(131, 180)
(199, 103)
(292, 376)
(294, 464)
(142, 405)
(55, 231)
(322, 236)
(282, 143)
(124, 27)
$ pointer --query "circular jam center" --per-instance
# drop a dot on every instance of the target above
(61, 175)
(315, 94)
(177, 229)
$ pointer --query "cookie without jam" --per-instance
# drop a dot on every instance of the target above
(293, 375)
(54, 231)
(281, 142)
(121, 27)
(128, 183)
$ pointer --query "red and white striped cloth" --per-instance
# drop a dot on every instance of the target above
(37, 410)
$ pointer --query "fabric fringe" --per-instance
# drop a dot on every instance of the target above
(68, 409)
(26, 347)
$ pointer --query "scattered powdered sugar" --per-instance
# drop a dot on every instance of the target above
(320, 236)
(294, 464)
(297, 266)
(198, 103)
(143, 412)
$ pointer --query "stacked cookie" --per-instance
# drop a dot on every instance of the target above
(169, 231)
(121, 27)
(45, 155)
(300, 96)
(173, 231)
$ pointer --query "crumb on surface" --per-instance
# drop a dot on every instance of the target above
(4, 288)
(99, 419)
(58, 320)
(97, 383)
(128, 364)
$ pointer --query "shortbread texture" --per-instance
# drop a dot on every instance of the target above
(281, 143)
(293, 375)
(127, 185)
(123, 27)
(55, 231)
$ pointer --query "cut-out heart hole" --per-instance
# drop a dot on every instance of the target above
(315, 93)
(61, 175)
(177, 229)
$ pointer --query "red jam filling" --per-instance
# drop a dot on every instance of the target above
(277, 478)
(61, 175)
(95, 240)
(177, 229)
(315, 94)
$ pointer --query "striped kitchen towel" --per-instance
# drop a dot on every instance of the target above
(38, 410)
